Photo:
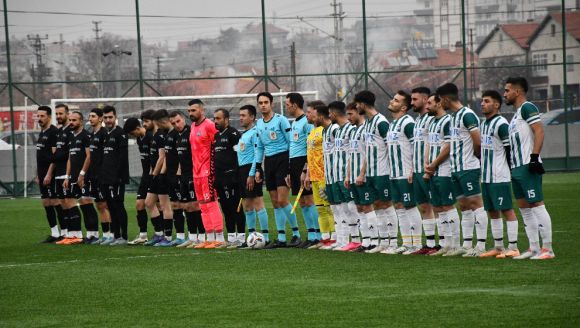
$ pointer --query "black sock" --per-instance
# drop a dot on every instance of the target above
(168, 227)
(190, 218)
(157, 223)
(123, 220)
(179, 221)
(74, 219)
(61, 217)
(199, 222)
(240, 221)
(91, 217)
(142, 220)
(50, 215)
(115, 227)
(106, 226)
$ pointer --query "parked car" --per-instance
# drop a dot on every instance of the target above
(558, 116)
(18, 138)
(6, 146)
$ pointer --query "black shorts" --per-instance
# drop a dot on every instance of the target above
(48, 191)
(258, 191)
(159, 185)
(227, 190)
(76, 192)
(296, 167)
(187, 191)
(275, 170)
(174, 190)
(113, 192)
(95, 191)
(143, 186)
(61, 193)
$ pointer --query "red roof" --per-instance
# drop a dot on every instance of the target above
(572, 22)
(520, 33)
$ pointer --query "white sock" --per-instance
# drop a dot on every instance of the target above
(445, 230)
(440, 229)
(429, 228)
(159, 233)
(64, 232)
(371, 218)
(54, 232)
(143, 235)
(512, 232)
(481, 227)
(497, 232)
(544, 224)
(210, 236)
(416, 226)
(364, 230)
(201, 237)
(191, 236)
(352, 222)
(219, 236)
(531, 226)
(405, 227)
(383, 227)
(231, 237)
(333, 235)
(180, 235)
(325, 235)
(340, 223)
(467, 223)
(392, 226)
(453, 218)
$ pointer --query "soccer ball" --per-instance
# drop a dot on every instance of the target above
(256, 240)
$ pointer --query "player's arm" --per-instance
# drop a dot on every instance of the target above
(46, 180)
(503, 135)
(444, 154)
(66, 182)
(471, 123)
(160, 162)
(409, 131)
(85, 168)
(383, 128)
(531, 114)
(256, 169)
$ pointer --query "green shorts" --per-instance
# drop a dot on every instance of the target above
(466, 183)
(362, 195)
(420, 189)
(380, 186)
(340, 193)
(403, 192)
(527, 185)
(329, 196)
(441, 191)
(497, 196)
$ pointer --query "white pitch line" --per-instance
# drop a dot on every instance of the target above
(11, 266)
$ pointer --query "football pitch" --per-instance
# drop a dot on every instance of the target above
(102, 286)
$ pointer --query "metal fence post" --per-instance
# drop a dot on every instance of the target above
(10, 97)
(265, 46)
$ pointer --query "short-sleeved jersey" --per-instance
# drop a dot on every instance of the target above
(78, 144)
(171, 156)
(439, 134)
(246, 149)
(461, 153)
(273, 136)
(400, 145)
(96, 148)
(184, 152)
(61, 153)
(328, 134)
(201, 140)
(225, 145)
(157, 143)
(144, 144)
(300, 128)
(521, 134)
(44, 156)
(315, 154)
(341, 146)
(376, 129)
(494, 137)
(420, 135)
(115, 166)
(356, 152)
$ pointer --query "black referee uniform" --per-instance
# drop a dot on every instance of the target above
(113, 176)
(227, 179)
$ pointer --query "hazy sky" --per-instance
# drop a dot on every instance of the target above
(182, 25)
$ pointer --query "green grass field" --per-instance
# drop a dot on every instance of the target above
(51, 285)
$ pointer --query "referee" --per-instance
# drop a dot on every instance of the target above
(227, 176)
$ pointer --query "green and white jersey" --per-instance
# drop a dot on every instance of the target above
(341, 145)
(375, 135)
(462, 123)
(328, 135)
(400, 145)
(521, 134)
(494, 137)
(356, 152)
(420, 136)
(439, 135)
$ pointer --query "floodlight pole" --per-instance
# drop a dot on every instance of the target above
(141, 87)
(464, 41)
(565, 76)
(364, 14)
(10, 96)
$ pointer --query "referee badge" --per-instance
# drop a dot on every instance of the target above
(295, 136)
(273, 135)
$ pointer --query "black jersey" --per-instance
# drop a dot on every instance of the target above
(184, 152)
(61, 153)
(44, 156)
(97, 143)
(157, 142)
(78, 144)
(144, 144)
(171, 156)
(226, 158)
(115, 166)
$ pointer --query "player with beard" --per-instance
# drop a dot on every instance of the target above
(45, 148)
(59, 162)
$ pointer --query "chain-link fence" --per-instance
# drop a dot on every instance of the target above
(147, 48)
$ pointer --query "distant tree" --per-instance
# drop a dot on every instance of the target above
(494, 78)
